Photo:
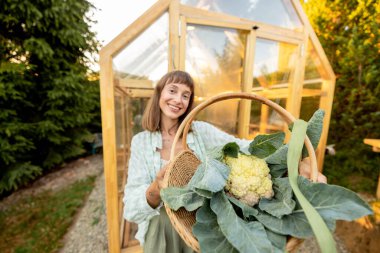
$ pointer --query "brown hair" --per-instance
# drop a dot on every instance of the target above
(152, 115)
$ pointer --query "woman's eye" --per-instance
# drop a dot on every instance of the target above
(186, 97)
(171, 91)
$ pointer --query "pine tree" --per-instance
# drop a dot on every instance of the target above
(46, 99)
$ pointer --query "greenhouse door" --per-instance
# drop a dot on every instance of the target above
(225, 56)
(216, 55)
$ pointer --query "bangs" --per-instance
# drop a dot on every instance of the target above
(181, 78)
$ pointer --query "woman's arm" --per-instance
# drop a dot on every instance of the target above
(136, 206)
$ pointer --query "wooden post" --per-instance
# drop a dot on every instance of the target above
(173, 54)
(245, 104)
(109, 151)
(325, 104)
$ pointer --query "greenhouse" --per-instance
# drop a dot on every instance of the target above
(264, 47)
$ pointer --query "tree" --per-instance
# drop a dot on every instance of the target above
(350, 35)
(46, 99)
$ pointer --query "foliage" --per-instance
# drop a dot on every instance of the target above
(38, 223)
(47, 102)
(229, 225)
(349, 32)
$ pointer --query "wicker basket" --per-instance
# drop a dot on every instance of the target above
(183, 166)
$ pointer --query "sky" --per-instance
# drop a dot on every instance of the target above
(113, 16)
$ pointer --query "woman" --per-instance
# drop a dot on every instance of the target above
(150, 150)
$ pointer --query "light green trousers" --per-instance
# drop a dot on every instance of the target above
(162, 237)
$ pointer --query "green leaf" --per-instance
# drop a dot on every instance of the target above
(247, 210)
(231, 149)
(207, 231)
(211, 175)
(333, 201)
(295, 224)
(324, 237)
(282, 203)
(277, 170)
(278, 157)
(245, 237)
(203, 193)
(314, 130)
(278, 241)
(176, 198)
(265, 145)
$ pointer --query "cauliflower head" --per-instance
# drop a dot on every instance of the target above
(249, 179)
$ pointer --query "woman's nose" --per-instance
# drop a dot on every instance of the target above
(178, 99)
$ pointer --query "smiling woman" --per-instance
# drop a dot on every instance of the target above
(150, 150)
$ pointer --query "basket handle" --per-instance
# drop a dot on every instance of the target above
(286, 116)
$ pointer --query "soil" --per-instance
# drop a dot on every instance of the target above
(359, 236)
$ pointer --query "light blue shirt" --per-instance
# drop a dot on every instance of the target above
(145, 162)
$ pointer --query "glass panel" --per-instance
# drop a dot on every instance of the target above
(266, 120)
(147, 56)
(313, 67)
(308, 106)
(275, 12)
(274, 63)
(214, 57)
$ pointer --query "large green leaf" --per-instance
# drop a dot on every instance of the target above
(333, 201)
(207, 231)
(278, 241)
(246, 210)
(295, 224)
(282, 202)
(314, 130)
(176, 197)
(277, 170)
(278, 157)
(245, 236)
(265, 145)
(211, 175)
(321, 231)
(203, 193)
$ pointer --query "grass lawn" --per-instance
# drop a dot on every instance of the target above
(38, 223)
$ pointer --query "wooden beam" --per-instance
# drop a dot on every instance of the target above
(109, 153)
(134, 83)
(135, 29)
(192, 12)
(280, 36)
(264, 118)
(138, 93)
(375, 143)
(219, 23)
(325, 104)
(173, 54)
(245, 105)
(284, 93)
(182, 43)
(314, 38)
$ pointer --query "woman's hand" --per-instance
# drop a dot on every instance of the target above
(160, 177)
(153, 192)
(304, 169)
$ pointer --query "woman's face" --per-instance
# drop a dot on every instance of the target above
(174, 100)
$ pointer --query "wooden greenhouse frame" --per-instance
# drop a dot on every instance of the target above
(115, 90)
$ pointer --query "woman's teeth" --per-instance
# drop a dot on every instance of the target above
(174, 107)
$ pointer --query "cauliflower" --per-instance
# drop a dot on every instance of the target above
(249, 179)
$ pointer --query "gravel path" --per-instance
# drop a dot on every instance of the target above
(89, 233)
